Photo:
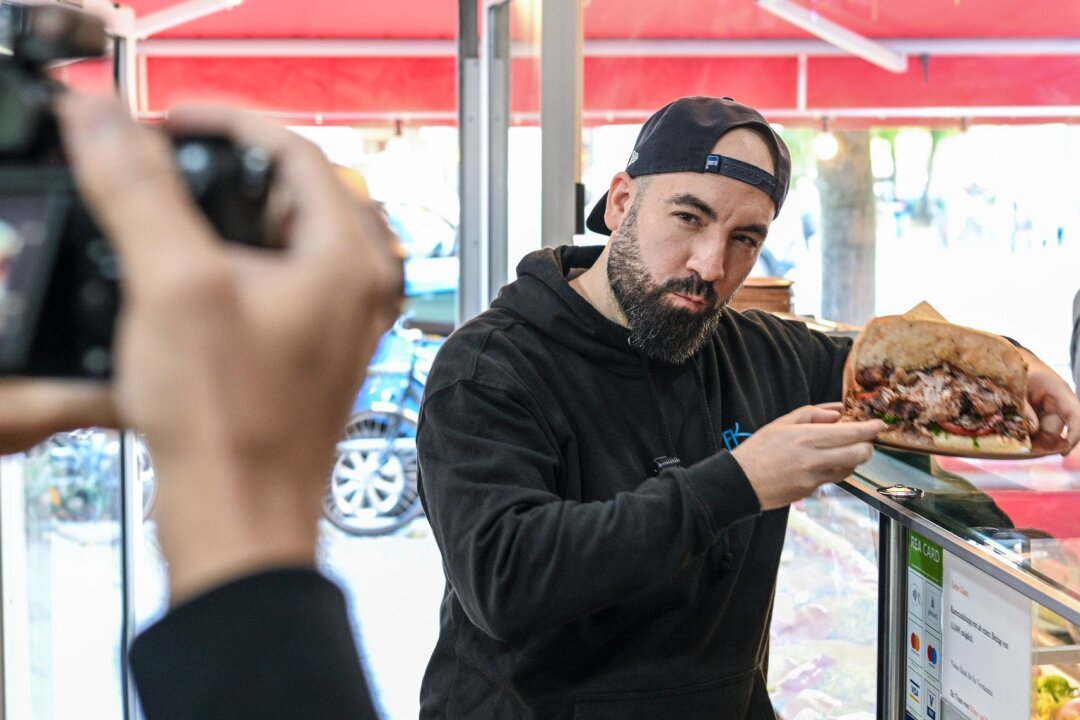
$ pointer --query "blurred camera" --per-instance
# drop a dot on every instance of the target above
(59, 278)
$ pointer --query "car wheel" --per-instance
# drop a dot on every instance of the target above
(373, 487)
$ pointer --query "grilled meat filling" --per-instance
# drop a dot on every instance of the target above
(937, 399)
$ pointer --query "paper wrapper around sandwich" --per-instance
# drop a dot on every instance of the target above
(921, 338)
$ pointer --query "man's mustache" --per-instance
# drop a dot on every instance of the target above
(691, 285)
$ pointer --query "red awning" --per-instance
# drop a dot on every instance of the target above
(328, 61)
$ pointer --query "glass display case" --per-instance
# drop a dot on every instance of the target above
(979, 586)
(823, 644)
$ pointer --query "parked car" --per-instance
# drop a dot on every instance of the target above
(373, 486)
(372, 489)
(422, 231)
(431, 267)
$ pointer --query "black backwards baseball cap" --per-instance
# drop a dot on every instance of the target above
(680, 137)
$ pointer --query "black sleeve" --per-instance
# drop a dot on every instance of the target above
(272, 646)
(521, 557)
(821, 357)
(831, 353)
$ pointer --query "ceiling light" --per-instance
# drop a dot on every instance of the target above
(825, 144)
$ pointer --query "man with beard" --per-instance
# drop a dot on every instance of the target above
(610, 547)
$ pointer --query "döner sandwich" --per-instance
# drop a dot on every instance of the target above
(938, 385)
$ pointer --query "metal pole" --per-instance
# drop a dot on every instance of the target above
(561, 216)
(131, 539)
(125, 70)
(497, 53)
(179, 14)
(892, 620)
(470, 300)
(125, 59)
(611, 47)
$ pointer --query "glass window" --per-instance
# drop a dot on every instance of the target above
(62, 578)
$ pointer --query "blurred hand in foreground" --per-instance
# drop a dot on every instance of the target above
(238, 365)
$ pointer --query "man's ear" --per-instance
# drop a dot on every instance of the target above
(619, 200)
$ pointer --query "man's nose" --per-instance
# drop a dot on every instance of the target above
(707, 260)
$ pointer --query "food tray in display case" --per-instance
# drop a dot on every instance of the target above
(823, 644)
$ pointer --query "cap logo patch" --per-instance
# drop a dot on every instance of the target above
(711, 162)
(633, 158)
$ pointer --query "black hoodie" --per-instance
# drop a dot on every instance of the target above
(581, 581)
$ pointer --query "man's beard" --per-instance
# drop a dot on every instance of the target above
(658, 330)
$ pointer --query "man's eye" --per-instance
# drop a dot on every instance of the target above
(748, 240)
(687, 218)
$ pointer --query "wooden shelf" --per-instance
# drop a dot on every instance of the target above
(766, 293)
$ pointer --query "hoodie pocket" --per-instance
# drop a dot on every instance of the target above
(732, 698)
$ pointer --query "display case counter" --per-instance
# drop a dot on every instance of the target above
(978, 586)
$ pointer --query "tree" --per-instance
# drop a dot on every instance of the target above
(922, 212)
(846, 186)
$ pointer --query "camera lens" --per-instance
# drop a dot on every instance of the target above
(255, 171)
(193, 158)
(24, 108)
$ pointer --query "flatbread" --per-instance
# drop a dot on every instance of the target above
(922, 338)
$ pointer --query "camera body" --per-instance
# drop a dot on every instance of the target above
(59, 278)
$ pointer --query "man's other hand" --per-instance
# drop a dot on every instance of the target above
(1052, 406)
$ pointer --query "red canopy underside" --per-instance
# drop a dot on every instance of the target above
(418, 90)
(849, 90)
(676, 19)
